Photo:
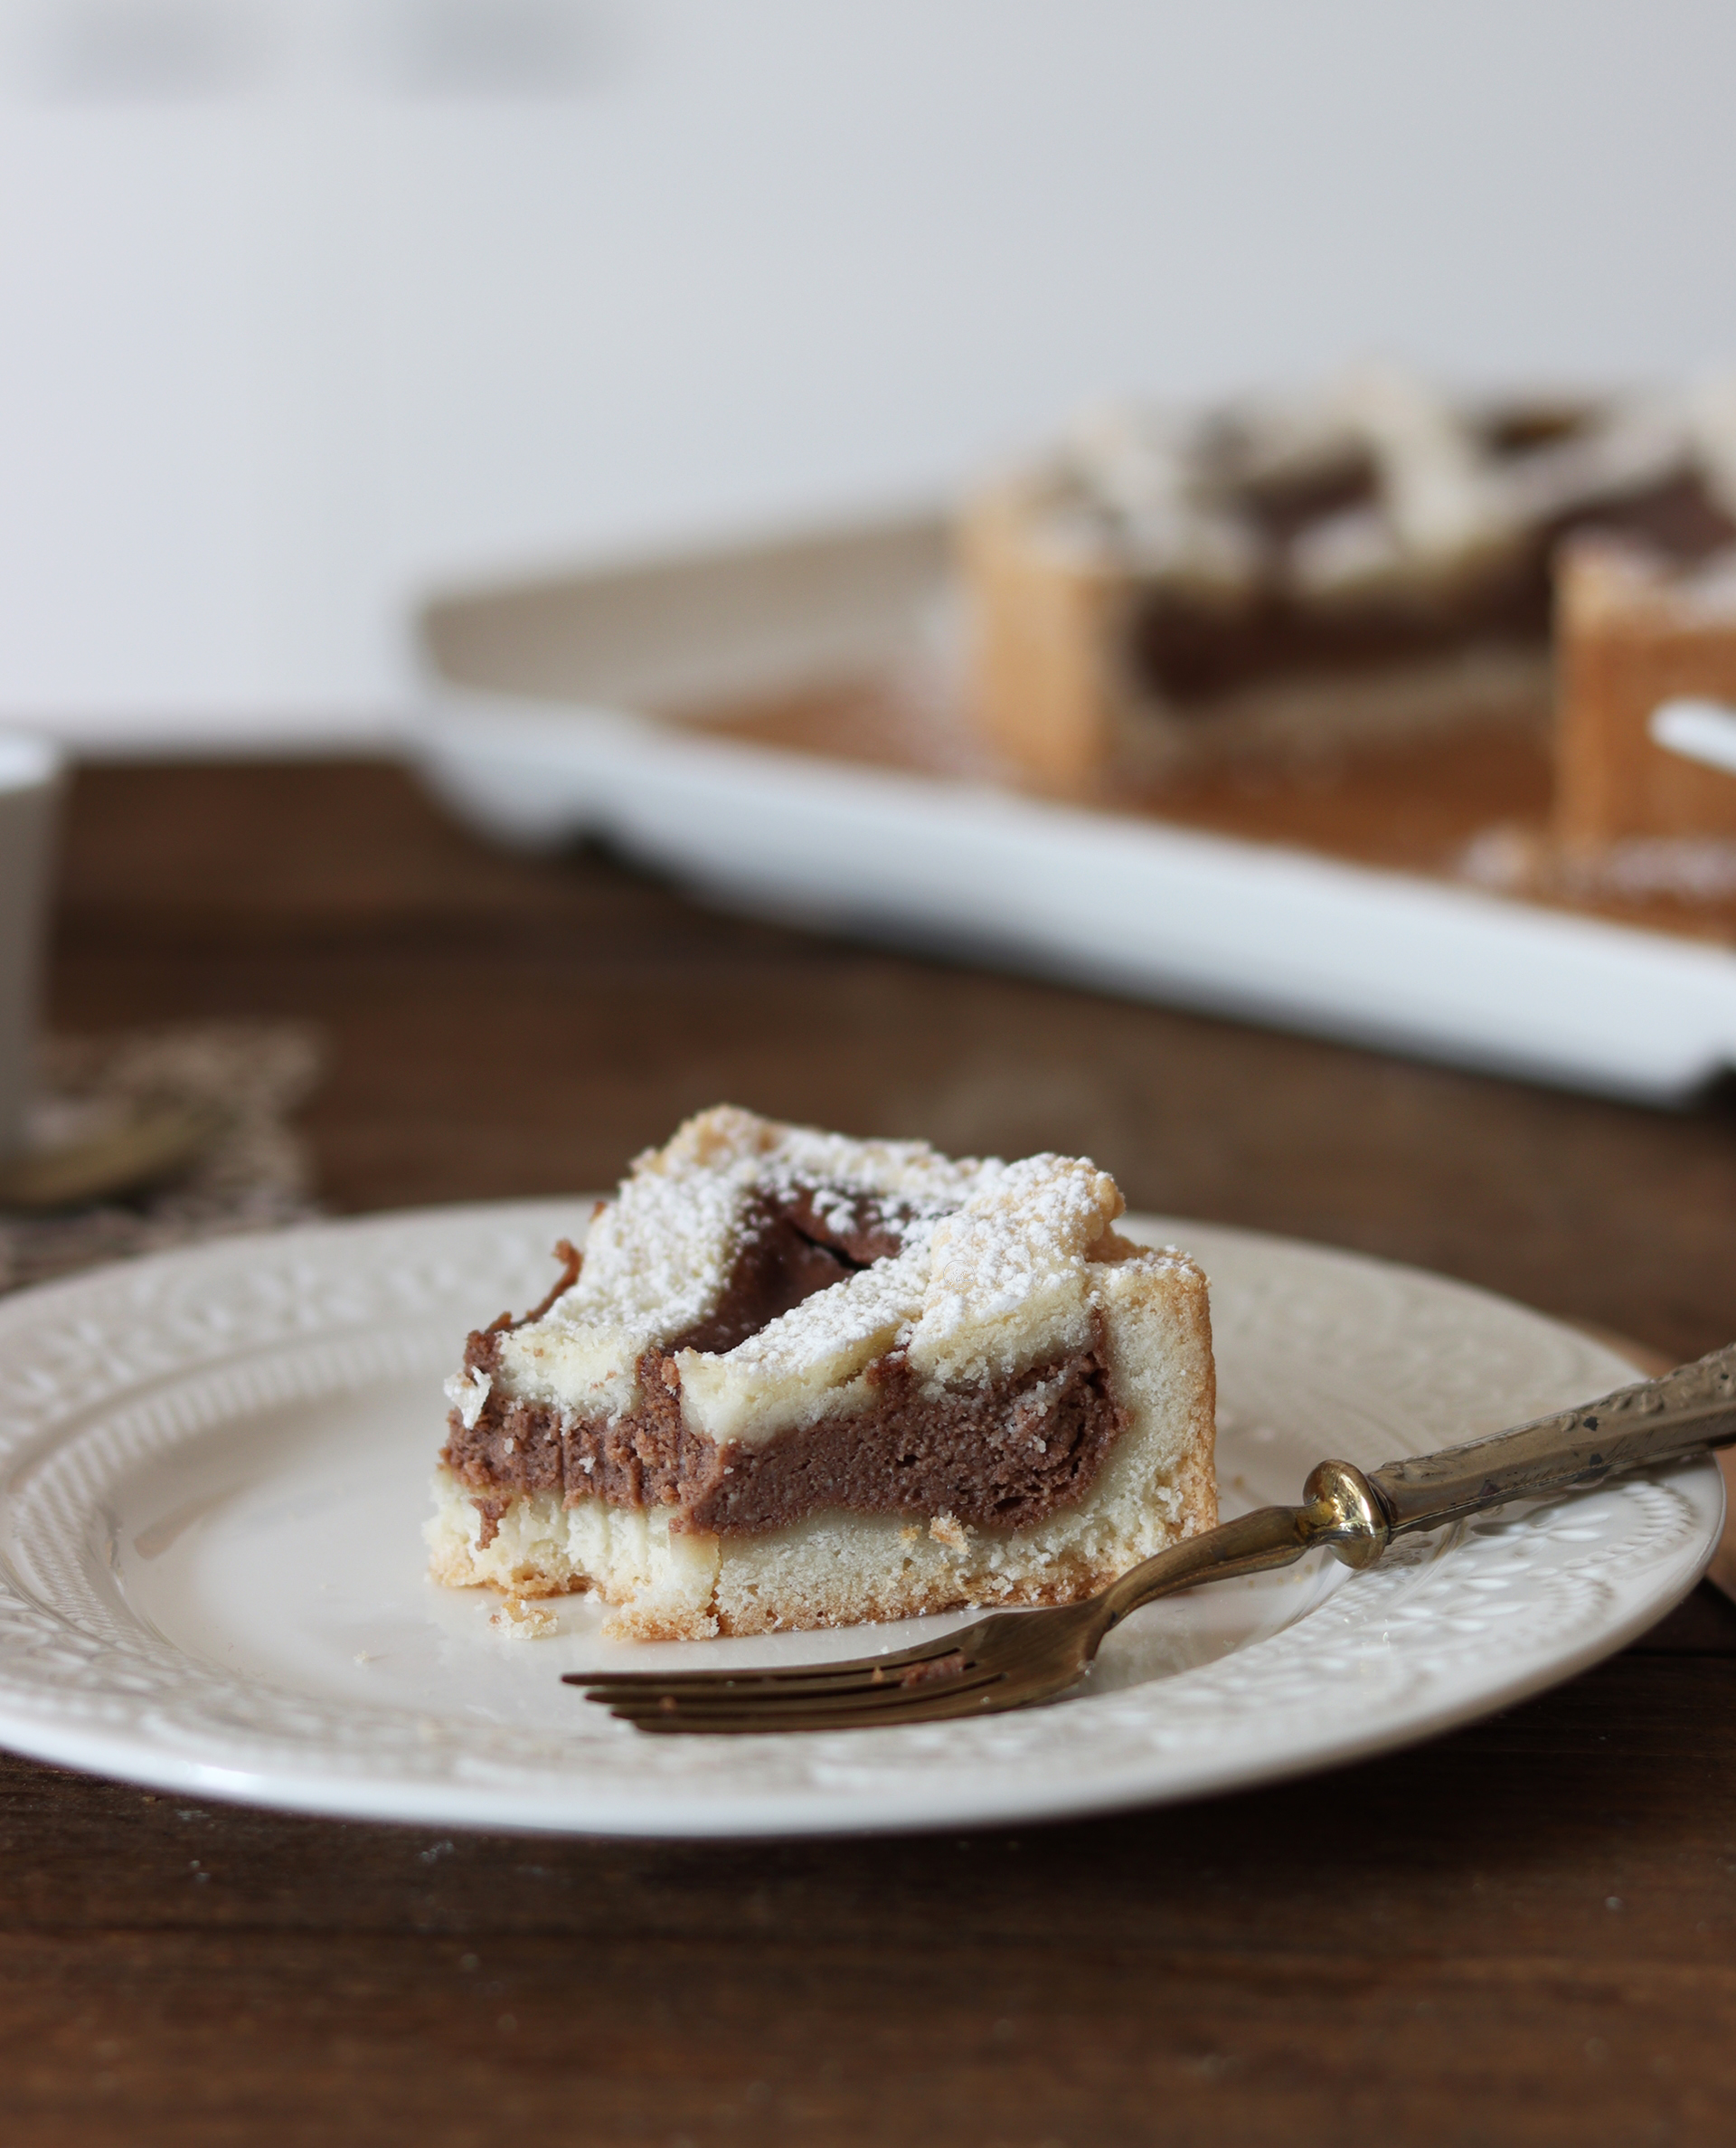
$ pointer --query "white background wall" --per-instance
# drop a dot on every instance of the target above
(306, 308)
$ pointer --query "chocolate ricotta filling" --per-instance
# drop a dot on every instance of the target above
(1001, 1455)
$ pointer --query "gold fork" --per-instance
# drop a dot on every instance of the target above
(1018, 1657)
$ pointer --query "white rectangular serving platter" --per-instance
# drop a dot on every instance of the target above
(537, 732)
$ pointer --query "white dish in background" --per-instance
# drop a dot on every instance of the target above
(532, 736)
(216, 1467)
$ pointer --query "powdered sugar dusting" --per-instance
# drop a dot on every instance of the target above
(658, 1256)
(1174, 494)
(1020, 1238)
(873, 1307)
(996, 1264)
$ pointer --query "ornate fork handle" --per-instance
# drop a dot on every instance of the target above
(1654, 1421)
(1357, 1514)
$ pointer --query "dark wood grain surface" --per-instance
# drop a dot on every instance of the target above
(1525, 1933)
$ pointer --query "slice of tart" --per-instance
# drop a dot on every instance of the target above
(1168, 590)
(799, 1381)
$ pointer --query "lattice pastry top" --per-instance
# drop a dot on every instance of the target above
(1381, 482)
(774, 1262)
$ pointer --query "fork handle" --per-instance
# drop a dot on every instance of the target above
(1251, 1544)
(1686, 1411)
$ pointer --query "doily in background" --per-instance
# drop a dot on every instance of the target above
(253, 1174)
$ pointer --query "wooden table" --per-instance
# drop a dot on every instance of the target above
(1525, 1932)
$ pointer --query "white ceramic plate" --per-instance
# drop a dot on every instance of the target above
(216, 1468)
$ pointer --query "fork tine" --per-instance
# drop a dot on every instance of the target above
(751, 1726)
(863, 1699)
(892, 1706)
(868, 1678)
(869, 1670)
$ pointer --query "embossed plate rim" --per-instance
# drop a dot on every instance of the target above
(90, 1365)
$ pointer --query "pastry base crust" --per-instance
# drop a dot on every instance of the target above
(830, 1570)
